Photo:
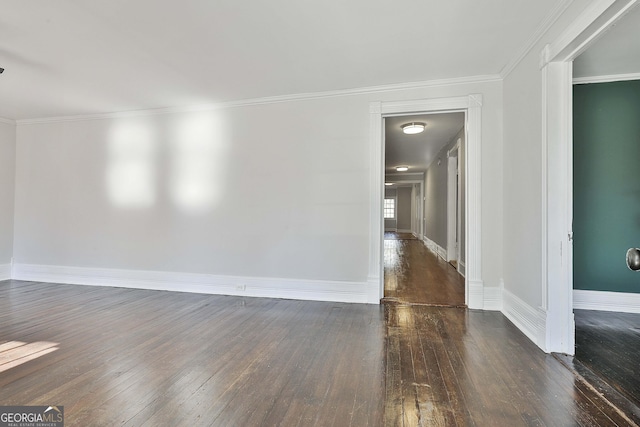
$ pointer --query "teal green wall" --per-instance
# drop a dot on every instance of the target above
(606, 185)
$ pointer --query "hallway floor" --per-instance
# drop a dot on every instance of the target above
(416, 275)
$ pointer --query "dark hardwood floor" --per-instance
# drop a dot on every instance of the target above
(416, 275)
(460, 367)
(608, 344)
(152, 358)
(115, 356)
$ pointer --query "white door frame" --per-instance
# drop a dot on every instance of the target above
(453, 203)
(472, 106)
(557, 161)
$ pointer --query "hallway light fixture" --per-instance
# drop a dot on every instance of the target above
(402, 168)
(413, 128)
(388, 183)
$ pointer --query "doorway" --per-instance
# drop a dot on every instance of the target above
(421, 258)
(471, 105)
(557, 68)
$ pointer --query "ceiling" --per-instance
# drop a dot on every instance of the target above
(418, 151)
(71, 57)
(616, 52)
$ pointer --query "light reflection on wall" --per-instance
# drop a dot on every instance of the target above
(131, 165)
(197, 153)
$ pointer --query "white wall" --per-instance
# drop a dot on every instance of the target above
(523, 169)
(7, 171)
(213, 192)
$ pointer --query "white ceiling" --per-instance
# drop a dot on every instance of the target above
(70, 57)
(616, 52)
(418, 151)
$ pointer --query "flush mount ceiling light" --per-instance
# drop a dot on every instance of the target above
(413, 128)
(388, 183)
(402, 168)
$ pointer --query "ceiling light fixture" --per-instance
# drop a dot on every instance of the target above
(402, 168)
(388, 183)
(413, 128)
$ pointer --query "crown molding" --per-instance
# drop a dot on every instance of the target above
(546, 24)
(271, 100)
(606, 78)
(7, 121)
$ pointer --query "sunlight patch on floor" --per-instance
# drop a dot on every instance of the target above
(15, 353)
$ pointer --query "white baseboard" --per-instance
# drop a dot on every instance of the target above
(394, 230)
(531, 321)
(493, 298)
(402, 230)
(303, 289)
(442, 252)
(606, 301)
(5, 271)
(476, 294)
(462, 269)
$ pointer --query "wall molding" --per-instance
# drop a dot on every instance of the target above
(475, 297)
(462, 268)
(531, 321)
(7, 121)
(266, 287)
(439, 250)
(623, 302)
(5, 271)
(493, 297)
(271, 99)
(606, 78)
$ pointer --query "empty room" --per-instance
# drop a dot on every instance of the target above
(193, 212)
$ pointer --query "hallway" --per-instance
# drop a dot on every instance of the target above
(416, 275)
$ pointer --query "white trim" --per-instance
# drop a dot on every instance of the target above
(598, 17)
(462, 268)
(546, 24)
(606, 79)
(531, 321)
(493, 298)
(272, 99)
(452, 203)
(303, 289)
(7, 121)
(556, 60)
(5, 271)
(476, 293)
(439, 250)
(606, 301)
(472, 105)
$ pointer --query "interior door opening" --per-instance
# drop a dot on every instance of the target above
(424, 256)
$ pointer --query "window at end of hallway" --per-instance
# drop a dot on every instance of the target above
(389, 208)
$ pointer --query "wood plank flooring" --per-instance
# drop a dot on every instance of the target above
(459, 367)
(153, 358)
(115, 356)
(608, 344)
(414, 274)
